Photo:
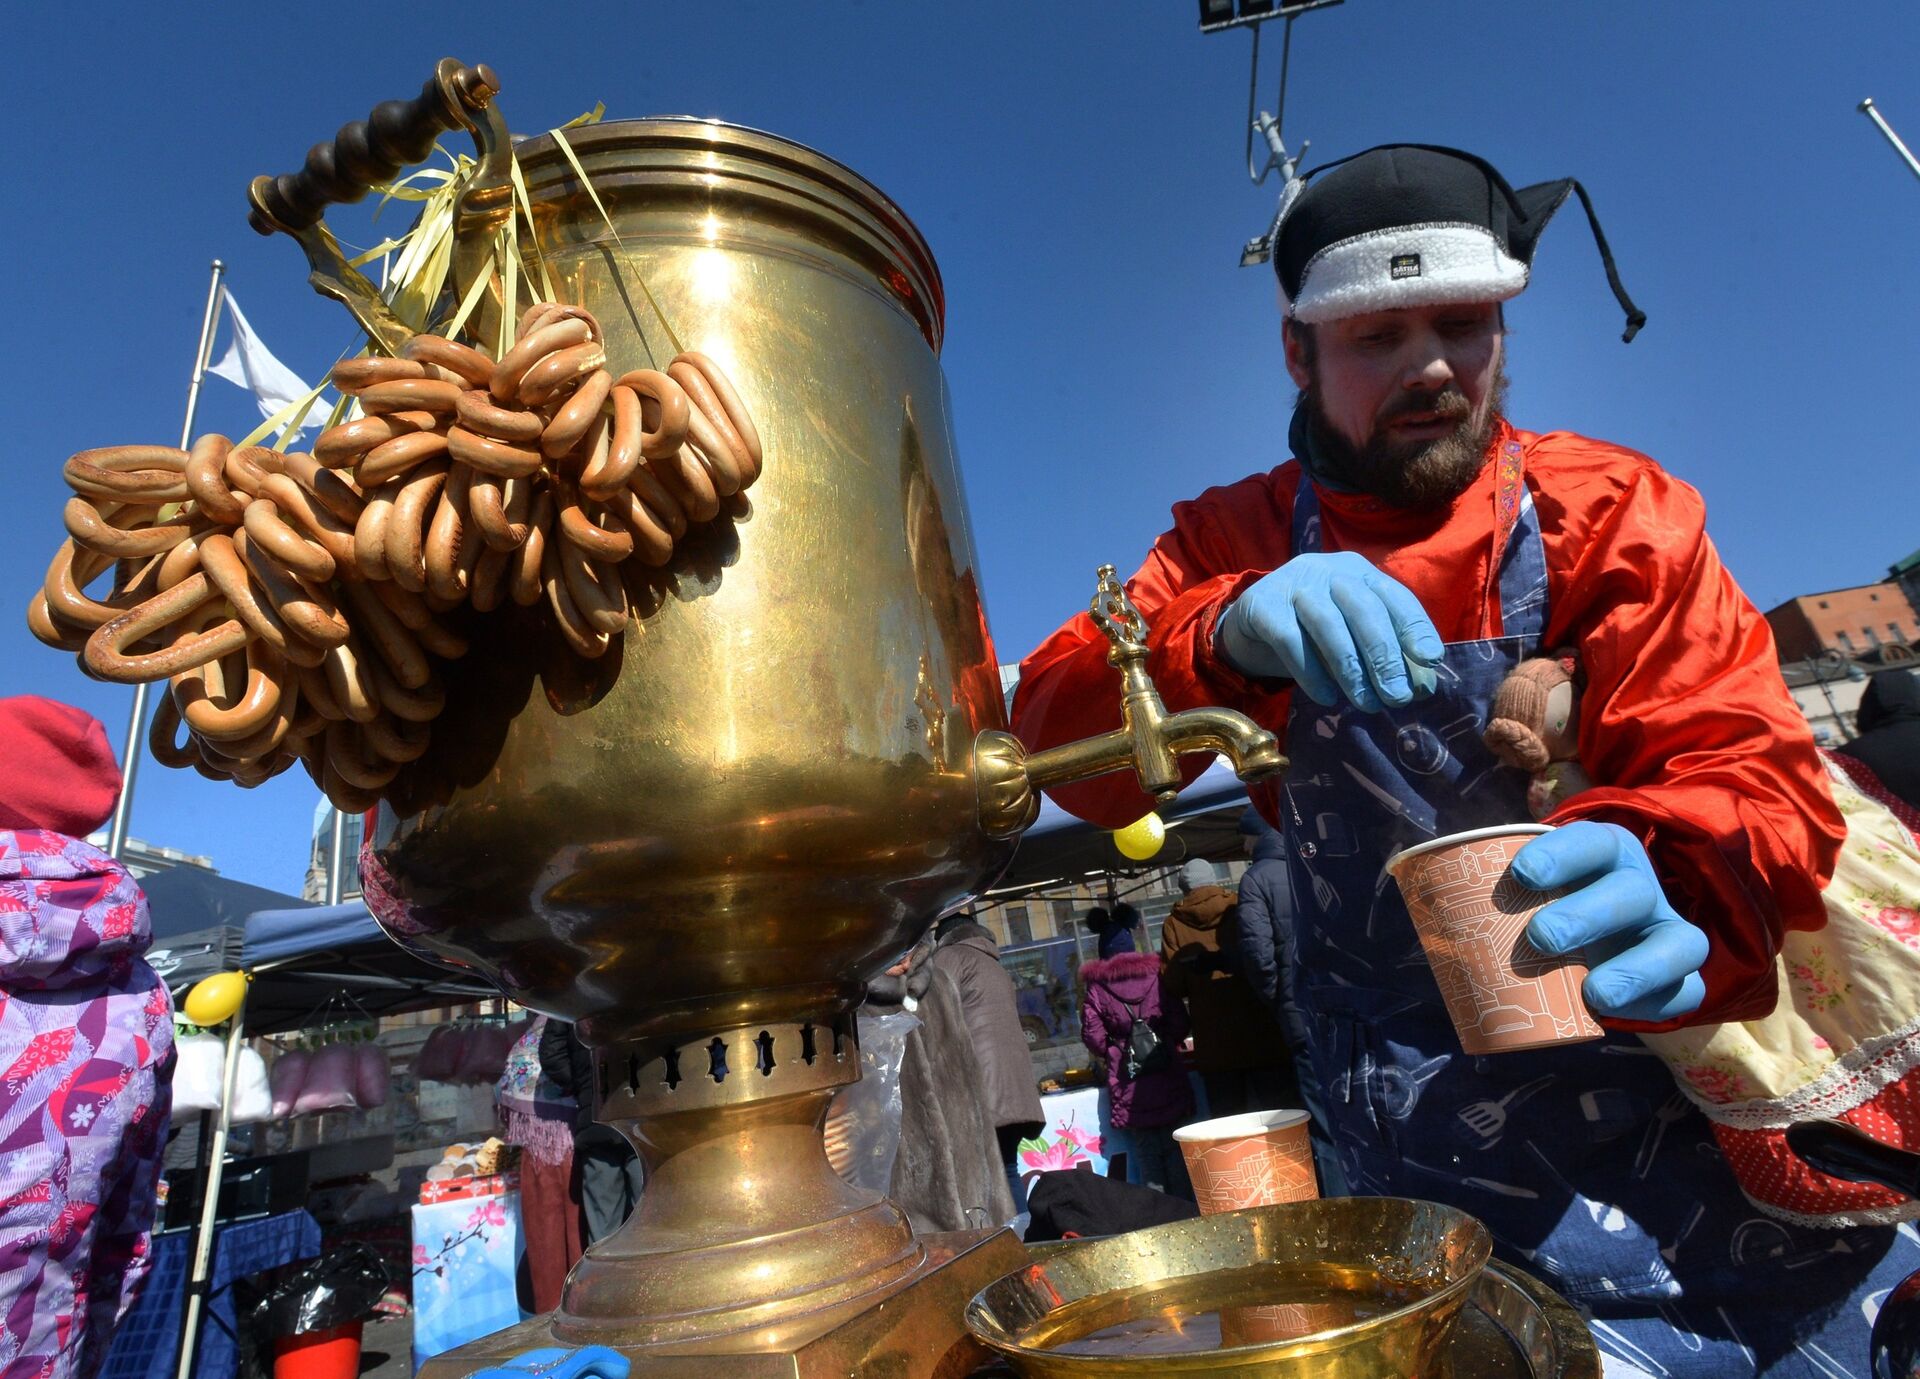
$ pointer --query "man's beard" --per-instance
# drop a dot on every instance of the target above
(1418, 475)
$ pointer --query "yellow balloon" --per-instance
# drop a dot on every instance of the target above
(1142, 838)
(214, 1000)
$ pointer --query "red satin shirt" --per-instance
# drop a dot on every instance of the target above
(1686, 726)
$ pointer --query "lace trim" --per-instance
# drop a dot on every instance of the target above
(1859, 1076)
(1841, 1220)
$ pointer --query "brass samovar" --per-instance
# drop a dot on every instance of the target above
(791, 765)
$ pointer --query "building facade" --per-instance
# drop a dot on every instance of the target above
(1861, 622)
(144, 859)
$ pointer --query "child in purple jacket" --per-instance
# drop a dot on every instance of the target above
(86, 1052)
(1149, 1107)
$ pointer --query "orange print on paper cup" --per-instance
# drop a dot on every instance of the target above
(1471, 914)
(1251, 1160)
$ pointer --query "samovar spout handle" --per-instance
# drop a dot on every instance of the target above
(1150, 740)
(366, 154)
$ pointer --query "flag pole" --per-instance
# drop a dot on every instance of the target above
(136, 724)
(1867, 108)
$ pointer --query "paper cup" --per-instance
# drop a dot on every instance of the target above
(1471, 914)
(1252, 1160)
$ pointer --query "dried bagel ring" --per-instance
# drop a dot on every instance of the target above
(560, 372)
(346, 754)
(487, 499)
(577, 415)
(129, 474)
(106, 656)
(479, 413)
(339, 446)
(334, 493)
(235, 582)
(595, 589)
(616, 455)
(495, 457)
(351, 375)
(659, 501)
(314, 522)
(581, 529)
(163, 737)
(397, 739)
(526, 583)
(667, 403)
(248, 468)
(308, 610)
(535, 345)
(207, 480)
(585, 639)
(419, 705)
(652, 543)
(71, 570)
(705, 440)
(391, 459)
(687, 479)
(473, 367)
(418, 618)
(489, 580)
(434, 395)
(390, 638)
(350, 681)
(406, 527)
(731, 407)
(453, 543)
(279, 541)
(370, 534)
(115, 533)
(49, 629)
(254, 702)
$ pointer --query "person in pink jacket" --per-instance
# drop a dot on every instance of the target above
(86, 1052)
(1147, 1098)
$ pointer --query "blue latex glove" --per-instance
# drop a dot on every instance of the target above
(1645, 960)
(554, 1362)
(1338, 628)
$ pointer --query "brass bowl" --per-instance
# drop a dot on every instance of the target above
(1347, 1288)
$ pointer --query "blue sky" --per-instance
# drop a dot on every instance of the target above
(1077, 169)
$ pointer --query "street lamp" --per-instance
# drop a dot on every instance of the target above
(1219, 15)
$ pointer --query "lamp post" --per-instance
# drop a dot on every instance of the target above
(1818, 668)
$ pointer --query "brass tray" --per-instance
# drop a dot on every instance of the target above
(1475, 1322)
(1513, 1327)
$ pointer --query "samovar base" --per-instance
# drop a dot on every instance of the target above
(915, 1330)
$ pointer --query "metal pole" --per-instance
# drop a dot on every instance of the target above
(1867, 109)
(335, 867)
(137, 722)
(1839, 720)
(210, 1209)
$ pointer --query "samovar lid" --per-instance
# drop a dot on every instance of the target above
(669, 157)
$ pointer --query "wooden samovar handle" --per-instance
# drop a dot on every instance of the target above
(372, 151)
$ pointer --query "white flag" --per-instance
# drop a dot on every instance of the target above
(251, 364)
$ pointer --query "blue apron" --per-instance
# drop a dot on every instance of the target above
(1586, 1163)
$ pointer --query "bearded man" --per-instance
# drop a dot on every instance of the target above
(1365, 600)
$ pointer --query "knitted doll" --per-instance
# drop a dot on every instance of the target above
(1536, 726)
(1843, 1041)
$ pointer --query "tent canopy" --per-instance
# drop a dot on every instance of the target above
(1059, 849)
(305, 958)
(187, 900)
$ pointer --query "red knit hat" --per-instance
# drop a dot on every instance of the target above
(57, 770)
